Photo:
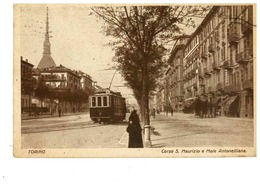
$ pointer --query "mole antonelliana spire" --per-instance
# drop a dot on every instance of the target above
(46, 60)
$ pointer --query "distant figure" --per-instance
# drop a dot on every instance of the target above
(135, 131)
(59, 111)
(171, 111)
(153, 113)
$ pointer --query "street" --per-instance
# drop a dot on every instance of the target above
(180, 130)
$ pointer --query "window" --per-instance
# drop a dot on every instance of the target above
(99, 101)
(223, 29)
(104, 101)
(247, 102)
(93, 101)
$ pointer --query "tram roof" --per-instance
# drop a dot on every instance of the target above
(107, 91)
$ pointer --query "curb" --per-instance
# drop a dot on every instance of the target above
(52, 116)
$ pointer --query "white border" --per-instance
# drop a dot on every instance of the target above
(192, 170)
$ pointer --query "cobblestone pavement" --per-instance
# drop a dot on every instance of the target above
(184, 130)
(180, 130)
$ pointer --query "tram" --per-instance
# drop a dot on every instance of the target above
(107, 106)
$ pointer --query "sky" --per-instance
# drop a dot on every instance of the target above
(77, 41)
(18, 170)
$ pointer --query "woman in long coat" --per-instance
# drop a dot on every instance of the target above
(135, 131)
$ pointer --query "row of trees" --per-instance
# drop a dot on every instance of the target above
(140, 34)
(41, 91)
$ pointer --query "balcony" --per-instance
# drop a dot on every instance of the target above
(232, 88)
(193, 72)
(248, 84)
(215, 66)
(188, 88)
(204, 54)
(200, 75)
(247, 26)
(220, 86)
(233, 33)
(202, 90)
(201, 83)
(194, 86)
(211, 48)
(211, 89)
(227, 65)
(207, 72)
(244, 56)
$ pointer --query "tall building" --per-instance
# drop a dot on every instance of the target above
(85, 81)
(218, 62)
(46, 60)
(160, 100)
(26, 84)
(59, 77)
(174, 91)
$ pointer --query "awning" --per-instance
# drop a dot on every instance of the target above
(225, 101)
(216, 101)
(231, 100)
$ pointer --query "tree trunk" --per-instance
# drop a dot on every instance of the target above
(41, 106)
(29, 105)
(145, 108)
(51, 107)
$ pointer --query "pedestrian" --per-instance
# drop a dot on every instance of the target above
(135, 131)
(171, 111)
(59, 111)
(153, 112)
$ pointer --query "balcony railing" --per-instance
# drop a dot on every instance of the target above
(215, 66)
(194, 86)
(204, 54)
(188, 88)
(244, 56)
(193, 72)
(220, 86)
(227, 64)
(211, 89)
(201, 90)
(248, 84)
(207, 71)
(233, 33)
(232, 88)
(211, 48)
(247, 26)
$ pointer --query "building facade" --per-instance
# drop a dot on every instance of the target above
(26, 84)
(160, 100)
(86, 82)
(174, 89)
(218, 62)
(61, 77)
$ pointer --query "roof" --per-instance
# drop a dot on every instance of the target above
(26, 62)
(202, 24)
(46, 61)
(59, 69)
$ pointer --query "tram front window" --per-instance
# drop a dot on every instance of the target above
(99, 101)
(105, 101)
(93, 101)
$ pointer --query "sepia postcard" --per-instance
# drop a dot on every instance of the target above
(134, 80)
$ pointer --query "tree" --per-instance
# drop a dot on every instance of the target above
(27, 87)
(53, 95)
(140, 34)
(42, 90)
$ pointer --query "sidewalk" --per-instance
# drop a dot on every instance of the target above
(177, 115)
(27, 117)
(186, 130)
